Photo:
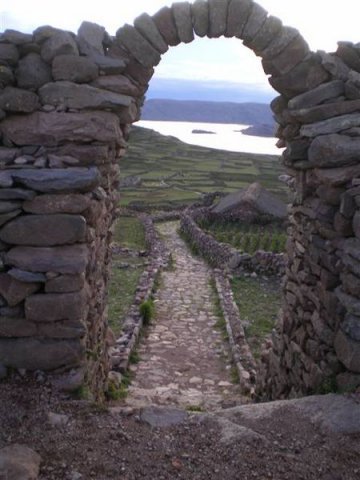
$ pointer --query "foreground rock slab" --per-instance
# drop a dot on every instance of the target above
(18, 462)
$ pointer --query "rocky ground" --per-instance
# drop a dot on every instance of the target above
(316, 438)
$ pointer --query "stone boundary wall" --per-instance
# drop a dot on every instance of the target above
(121, 349)
(66, 104)
(242, 357)
(223, 255)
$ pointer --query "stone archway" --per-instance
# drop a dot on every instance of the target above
(66, 105)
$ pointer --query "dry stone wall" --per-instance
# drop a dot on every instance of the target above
(66, 103)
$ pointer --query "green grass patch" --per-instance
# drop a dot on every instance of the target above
(147, 311)
(129, 232)
(259, 302)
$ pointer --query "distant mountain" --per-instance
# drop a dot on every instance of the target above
(249, 113)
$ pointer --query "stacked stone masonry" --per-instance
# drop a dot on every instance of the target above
(66, 104)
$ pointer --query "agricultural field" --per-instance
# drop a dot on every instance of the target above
(249, 237)
(173, 172)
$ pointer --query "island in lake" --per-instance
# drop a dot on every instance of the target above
(206, 132)
(260, 130)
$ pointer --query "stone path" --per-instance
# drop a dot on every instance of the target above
(184, 360)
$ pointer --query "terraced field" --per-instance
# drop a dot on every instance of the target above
(173, 172)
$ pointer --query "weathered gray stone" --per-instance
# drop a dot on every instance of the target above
(160, 417)
(183, 21)
(348, 351)
(52, 307)
(336, 176)
(139, 47)
(218, 15)
(323, 112)
(43, 33)
(352, 304)
(146, 26)
(44, 230)
(68, 259)
(32, 72)
(16, 194)
(65, 284)
(19, 462)
(348, 55)
(291, 56)
(280, 42)
(9, 206)
(254, 22)
(5, 217)
(200, 17)
(64, 330)
(108, 65)
(348, 207)
(317, 95)
(6, 76)
(52, 129)
(9, 54)
(17, 328)
(58, 180)
(164, 20)
(238, 13)
(74, 68)
(18, 100)
(73, 95)
(305, 76)
(58, 203)
(15, 291)
(90, 38)
(347, 382)
(334, 65)
(16, 37)
(343, 225)
(27, 277)
(267, 33)
(351, 326)
(38, 354)
(61, 43)
(117, 84)
(331, 125)
(334, 150)
(356, 224)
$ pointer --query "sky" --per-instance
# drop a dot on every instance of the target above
(215, 62)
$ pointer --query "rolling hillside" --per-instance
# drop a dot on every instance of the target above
(213, 112)
(166, 171)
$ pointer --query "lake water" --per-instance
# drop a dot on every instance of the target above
(225, 136)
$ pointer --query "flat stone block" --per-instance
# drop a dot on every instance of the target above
(14, 327)
(9, 54)
(254, 22)
(52, 307)
(164, 20)
(314, 97)
(62, 43)
(39, 354)
(348, 351)
(280, 42)
(139, 47)
(68, 260)
(334, 150)
(90, 38)
(73, 95)
(32, 72)
(200, 17)
(267, 33)
(293, 54)
(183, 21)
(15, 291)
(57, 203)
(58, 180)
(16, 194)
(148, 29)
(44, 230)
(18, 100)
(74, 69)
(117, 84)
(65, 284)
(52, 129)
(331, 125)
(218, 15)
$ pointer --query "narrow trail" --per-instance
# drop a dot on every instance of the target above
(184, 360)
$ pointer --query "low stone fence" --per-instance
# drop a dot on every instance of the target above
(223, 255)
(121, 350)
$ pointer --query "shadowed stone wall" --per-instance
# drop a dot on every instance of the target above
(66, 103)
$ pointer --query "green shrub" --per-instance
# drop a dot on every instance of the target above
(147, 310)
